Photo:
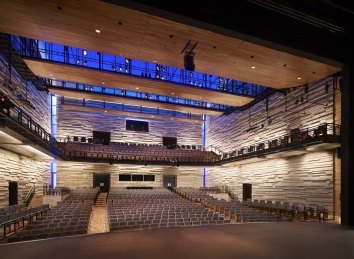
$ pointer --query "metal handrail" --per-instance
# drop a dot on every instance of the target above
(30, 195)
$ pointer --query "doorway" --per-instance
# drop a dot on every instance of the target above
(247, 191)
(103, 181)
(13, 193)
(169, 181)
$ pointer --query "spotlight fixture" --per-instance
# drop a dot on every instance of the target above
(84, 52)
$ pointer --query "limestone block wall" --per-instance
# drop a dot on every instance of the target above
(73, 123)
(27, 172)
(39, 99)
(80, 174)
(299, 179)
(301, 107)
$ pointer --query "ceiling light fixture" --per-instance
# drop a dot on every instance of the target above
(98, 31)
(299, 78)
(253, 67)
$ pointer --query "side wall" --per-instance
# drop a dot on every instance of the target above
(299, 179)
(13, 167)
(39, 99)
(297, 108)
(27, 172)
(77, 174)
(307, 178)
(81, 124)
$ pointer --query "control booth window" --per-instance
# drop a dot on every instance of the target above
(137, 125)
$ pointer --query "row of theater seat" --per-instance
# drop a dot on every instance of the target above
(155, 208)
(11, 209)
(18, 216)
(137, 153)
(70, 217)
(291, 210)
(234, 209)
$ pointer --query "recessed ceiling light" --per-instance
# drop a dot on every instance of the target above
(51, 74)
(105, 111)
(172, 93)
(152, 116)
(253, 67)
(98, 31)
(137, 88)
(299, 78)
(154, 61)
(103, 82)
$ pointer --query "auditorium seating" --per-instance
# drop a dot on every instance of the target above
(69, 217)
(233, 209)
(156, 208)
(15, 217)
(138, 152)
(302, 211)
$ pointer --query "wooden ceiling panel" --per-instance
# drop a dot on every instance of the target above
(151, 38)
(125, 113)
(72, 73)
(130, 101)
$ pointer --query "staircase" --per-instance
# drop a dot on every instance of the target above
(36, 201)
(99, 219)
(101, 200)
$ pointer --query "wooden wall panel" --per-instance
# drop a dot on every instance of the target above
(80, 174)
(300, 179)
(74, 123)
(40, 100)
(27, 172)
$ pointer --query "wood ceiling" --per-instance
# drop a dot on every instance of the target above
(72, 73)
(142, 36)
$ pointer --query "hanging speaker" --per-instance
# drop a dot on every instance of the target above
(189, 61)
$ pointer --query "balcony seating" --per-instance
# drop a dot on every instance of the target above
(139, 152)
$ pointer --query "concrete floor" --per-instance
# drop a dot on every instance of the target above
(262, 240)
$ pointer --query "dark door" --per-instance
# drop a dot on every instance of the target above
(169, 181)
(13, 193)
(103, 181)
(247, 191)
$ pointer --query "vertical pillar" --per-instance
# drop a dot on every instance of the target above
(347, 141)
